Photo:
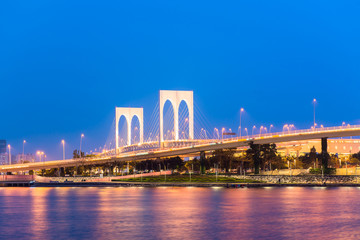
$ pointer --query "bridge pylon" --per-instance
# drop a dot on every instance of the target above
(128, 113)
(175, 98)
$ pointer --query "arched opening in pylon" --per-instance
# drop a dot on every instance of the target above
(123, 131)
(183, 120)
(168, 120)
(135, 130)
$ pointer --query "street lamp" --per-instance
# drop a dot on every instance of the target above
(314, 101)
(9, 147)
(241, 110)
(252, 132)
(63, 143)
(291, 126)
(24, 141)
(261, 128)
(82, 135)
(216, 131)
(286, 126)
(40, 153)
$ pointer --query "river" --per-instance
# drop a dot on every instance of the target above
(179, 213)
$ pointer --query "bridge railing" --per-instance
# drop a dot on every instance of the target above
(287, 132)
(295, 132)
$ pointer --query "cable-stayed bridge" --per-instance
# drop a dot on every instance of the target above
(181, 139)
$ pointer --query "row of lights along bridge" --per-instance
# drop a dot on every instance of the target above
(203, 134)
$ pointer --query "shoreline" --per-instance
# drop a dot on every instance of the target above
(164, 184)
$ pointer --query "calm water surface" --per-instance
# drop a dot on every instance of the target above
(179, 213)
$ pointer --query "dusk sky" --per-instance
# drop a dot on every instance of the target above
(65, 65)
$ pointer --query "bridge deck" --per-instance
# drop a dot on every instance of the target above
(205, 146)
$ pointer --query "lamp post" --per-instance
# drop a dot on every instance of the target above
(9, 147)
(40, 153)
(63, 143)
(314, 101)
(342, 125)
(271, 126)
(216, 131)
(23, 155)
(81, 137)
(291, 126)
(241, 110)
(254, 127)
(286, 126)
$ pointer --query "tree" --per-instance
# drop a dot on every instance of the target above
(254, 153)
(334, 160)
(313, 155)
(262, 154)
(76, 154)
(268, 153)
(223, 157)
(356, 155)
(354, 161)
(175, 163)
(193, 165)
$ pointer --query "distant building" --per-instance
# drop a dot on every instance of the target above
(25, 158)
(2, 146)
(4, 158)
(341, 147)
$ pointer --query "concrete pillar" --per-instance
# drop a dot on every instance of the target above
(324, 153)
(129, 133)
(202, 162)
(176, 122)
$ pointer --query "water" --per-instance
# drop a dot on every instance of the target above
(179, 213)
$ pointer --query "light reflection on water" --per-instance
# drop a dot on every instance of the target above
(179, 213)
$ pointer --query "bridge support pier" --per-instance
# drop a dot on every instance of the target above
(324, 153)
(62, 172)
(202, 162)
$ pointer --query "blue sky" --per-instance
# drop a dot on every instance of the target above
(65, 65)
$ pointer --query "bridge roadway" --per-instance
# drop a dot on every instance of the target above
(289, 136)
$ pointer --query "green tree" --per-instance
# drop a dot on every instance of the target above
(334, 160)
(175, 163)
(354, 161)
(193, 165)
(254, 153)
(76, 154)
(262, 155)
(314, 156)
(224, 158)
(309, 159)
(269, 154)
